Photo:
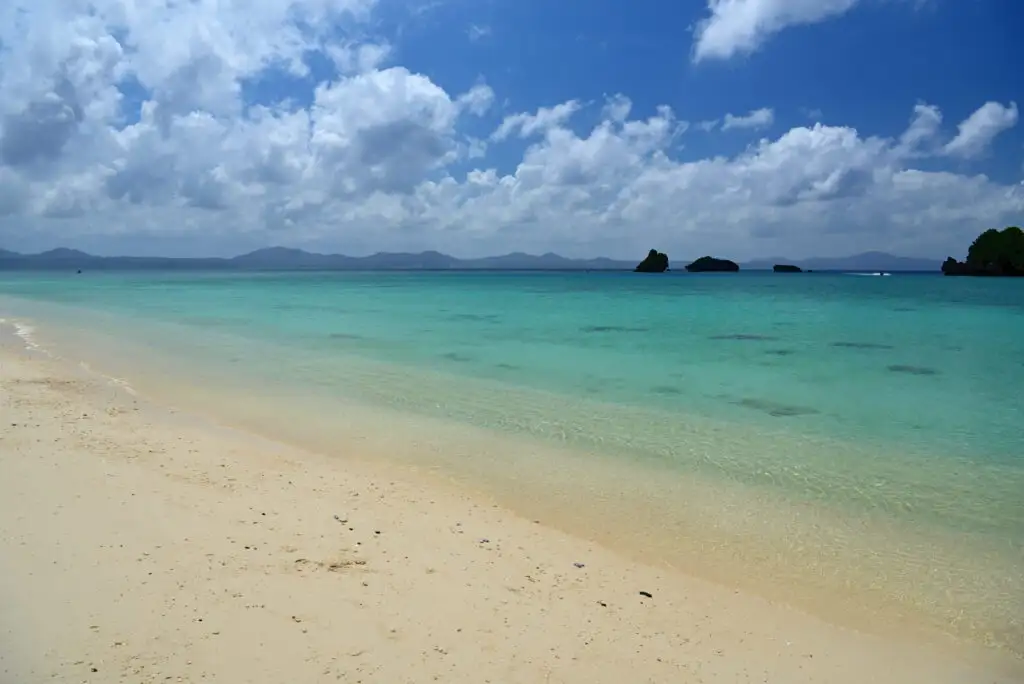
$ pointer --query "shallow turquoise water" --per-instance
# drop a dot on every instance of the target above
(924, 361)
(896, 400)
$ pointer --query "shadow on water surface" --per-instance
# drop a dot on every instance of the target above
(911, 370)
(861, 345)
(613, 328)
(457, 357)
(776, 409)
(596, 385)
(482, 318)
(745, 337)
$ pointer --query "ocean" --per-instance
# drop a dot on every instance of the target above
(853, 445)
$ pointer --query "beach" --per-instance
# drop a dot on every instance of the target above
(143, 542)
(827, 443)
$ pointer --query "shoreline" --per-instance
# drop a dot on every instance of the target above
(866, 570)
(152, 509)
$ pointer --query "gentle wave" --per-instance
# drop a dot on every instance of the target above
(27, 332)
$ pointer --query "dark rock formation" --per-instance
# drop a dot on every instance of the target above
(993, 253)
(656, 262)
(710, 264)
(953, 267)
(787, 268)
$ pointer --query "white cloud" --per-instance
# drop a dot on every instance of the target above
(350, 58)
(477, 99)
(736, 27)
(812, 113)
(545, 118)
(757, 118)
(381, 131)
(477, 32)
(923, 130)
(617, 108)
(476, 148)
(383, 157)
(977, 131)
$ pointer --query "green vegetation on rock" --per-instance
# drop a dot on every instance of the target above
(655, 262)
(993, 253)
(710, 264)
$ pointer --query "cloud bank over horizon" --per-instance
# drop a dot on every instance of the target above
(216, 126)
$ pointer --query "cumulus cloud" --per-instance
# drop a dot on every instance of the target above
(358, 58)
(132, 119)
(381, 131)
(923, 129)
(977, 131)
(617, 108)
(736, 27)
(757, 118)
(477, 99)
(543, 119)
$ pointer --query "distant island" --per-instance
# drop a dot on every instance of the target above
(290, 259)
(786, 268)
(655, 262)
(863, 262)
(707, 264)
(997, 253)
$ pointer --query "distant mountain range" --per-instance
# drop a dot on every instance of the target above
(284, 258)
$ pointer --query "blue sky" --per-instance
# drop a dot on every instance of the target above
(865, 69)
(750, 126)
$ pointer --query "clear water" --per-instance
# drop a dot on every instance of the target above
(864, 433)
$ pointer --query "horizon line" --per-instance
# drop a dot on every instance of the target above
(776, 260)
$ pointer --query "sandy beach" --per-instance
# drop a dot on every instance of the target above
(144, 543)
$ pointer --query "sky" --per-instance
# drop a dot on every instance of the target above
(737, 128)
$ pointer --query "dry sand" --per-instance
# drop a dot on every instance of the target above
(142, 544)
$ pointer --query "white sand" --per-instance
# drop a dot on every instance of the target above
(140, 544)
